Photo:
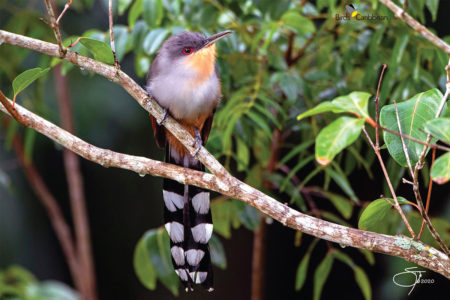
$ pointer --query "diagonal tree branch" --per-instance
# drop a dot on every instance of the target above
(400, 246)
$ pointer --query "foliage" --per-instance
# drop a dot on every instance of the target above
(286, 63)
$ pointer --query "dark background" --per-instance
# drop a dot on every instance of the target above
(122, 205)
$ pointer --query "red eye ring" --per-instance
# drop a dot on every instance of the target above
(187, 50)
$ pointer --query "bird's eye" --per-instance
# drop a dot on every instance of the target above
(188, 50)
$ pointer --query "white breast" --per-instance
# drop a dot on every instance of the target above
(176, 91)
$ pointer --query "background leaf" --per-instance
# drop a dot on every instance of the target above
(440, 172)
(24, 79)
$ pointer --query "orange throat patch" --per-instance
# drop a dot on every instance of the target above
(203, 62)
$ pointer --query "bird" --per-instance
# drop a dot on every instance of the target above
(184, 79)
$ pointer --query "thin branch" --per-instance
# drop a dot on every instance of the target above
(111, 33)
(388, 180)
(405, 149)
(12, 111)
(66, 7)
(430, 186)
(399, 246)
(59, 224)
(377, 111)
(55, 27)
(76, 192)
(422, 30)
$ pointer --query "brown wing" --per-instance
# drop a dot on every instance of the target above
(158, 133)
(207, 128)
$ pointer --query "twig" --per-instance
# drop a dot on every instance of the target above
(377, 111)
(76, 192)
(220, 180)
(12, 111)
(405, 149)
(427, 257)
(111, 34)
(55, 27)
(66, 7)
(430, 186)
(391, 188)
(422, 30)
(59, 224)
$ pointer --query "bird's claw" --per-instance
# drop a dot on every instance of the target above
(197, 142)
(164, 116)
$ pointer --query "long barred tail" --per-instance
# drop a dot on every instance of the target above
(188, 221)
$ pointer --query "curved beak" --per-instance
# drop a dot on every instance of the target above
(215, 37)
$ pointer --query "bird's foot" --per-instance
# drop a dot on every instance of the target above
(163, 118)
(197, 142)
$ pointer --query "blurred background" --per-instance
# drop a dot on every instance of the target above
(284, 57)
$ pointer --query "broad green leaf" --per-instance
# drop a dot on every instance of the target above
(217, 252)
(376, 212)
(440, 172)
(302, 269)
(297, 22)
(413, 115)
(322, 107)
(321, 274)
(342, 204)
(123, 5)
(363, 282)
(154, 39)
(153, 11)
(100, 50)
(54, 290)
(24, 79)
(439, 128)
(143, 266)
(335, 137)
(355, 102)
(135, 12)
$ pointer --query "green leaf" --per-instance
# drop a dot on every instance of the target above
(432, 6)
(335, 137)
(440, 172)
(248, 215)
(222, 213)
(243, 155)
(154, 39)
(298, 23)
(143, 266)
(156, 247)
(54, 290)
(341, 180)
(24, 79)
(100, 50)
(135, 12)
(375, 214)
(321, 274)
(322, 107)
(153, 12)
(302, 269)
(439, 128)
(413, 115)
(121, 40)
(123, 5)
(355, 102)
(218, 257)
(363, 282)
(342, 204)
(368, 255)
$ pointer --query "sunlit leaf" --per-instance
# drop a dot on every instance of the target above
(322, 107)
(135, 12)
(355, 102)
(335, 137)
(440, 172)
(100, 50)
(24, 79)
(413, 115)
(375, 213)
(143, 266)
(297, 22)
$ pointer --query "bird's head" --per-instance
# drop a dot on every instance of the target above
(192, 51)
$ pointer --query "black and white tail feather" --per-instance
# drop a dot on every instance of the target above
(188, 221)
